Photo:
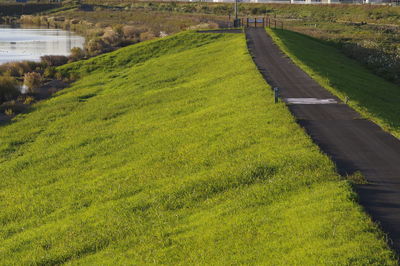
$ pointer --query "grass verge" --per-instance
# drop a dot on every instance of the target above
(172, 151)
(372, 96)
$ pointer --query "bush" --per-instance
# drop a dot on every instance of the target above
(255, 11)
(49, 72)
(59, 76)
(32, 81)
(131, 32)
(73, 77)
(29, 100)
(8, 88)
(18, 69)
(9, 112)
(118, 29)
(112, 37)
(96, 46)
(147, 36)
(77, 54)
(54, 60)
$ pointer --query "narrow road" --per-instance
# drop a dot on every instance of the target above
(353, 143)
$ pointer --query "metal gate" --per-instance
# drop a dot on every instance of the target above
(262, 22)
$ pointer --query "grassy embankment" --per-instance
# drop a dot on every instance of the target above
(374, 97)
(164, 152)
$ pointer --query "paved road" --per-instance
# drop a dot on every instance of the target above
(353, 143)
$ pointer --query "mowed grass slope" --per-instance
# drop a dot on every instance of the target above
(374, 97)
(173, 152)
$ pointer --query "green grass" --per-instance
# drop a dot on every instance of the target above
(372, 96)
(172, 151)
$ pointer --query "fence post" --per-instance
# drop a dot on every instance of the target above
(275, 23)
(276, 94)
(247, 22)
(255, 22)
(263, 22)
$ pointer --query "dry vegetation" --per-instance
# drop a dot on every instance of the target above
(107, 29)
(369, 34)
(22, 82)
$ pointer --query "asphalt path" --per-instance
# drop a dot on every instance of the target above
(353, 143)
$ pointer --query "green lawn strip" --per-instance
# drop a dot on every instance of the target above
(175, 158)
(373, 97)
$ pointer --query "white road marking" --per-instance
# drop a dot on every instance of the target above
(309, 101)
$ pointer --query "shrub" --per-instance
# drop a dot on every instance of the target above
(8, 88)
(111, 37)
(96, 46)
(54, 60)
(255, 11)
(59, 76)
(147, 36)
(9, 112)
(18, 69)
(49, 72)
(118, 29)
(131, 32)
(10, 69)
(29, 100)
(73, 77)
(32, 81)
(26, 19)
(77, 54)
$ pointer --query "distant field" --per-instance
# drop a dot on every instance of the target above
(369, 34)
(17, 9)
(172, 151)
(372, 96)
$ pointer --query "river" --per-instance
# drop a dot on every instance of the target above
(19, 43)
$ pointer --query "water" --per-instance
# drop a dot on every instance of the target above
(18, 44)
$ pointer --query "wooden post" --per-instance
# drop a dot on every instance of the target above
(247, 22)
(255, 22)
(263, 22)
(275, 23)
(276, 95)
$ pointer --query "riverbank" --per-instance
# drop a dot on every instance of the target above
(34, 76)
(30, 43)
(23, 103)
(107, 28)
